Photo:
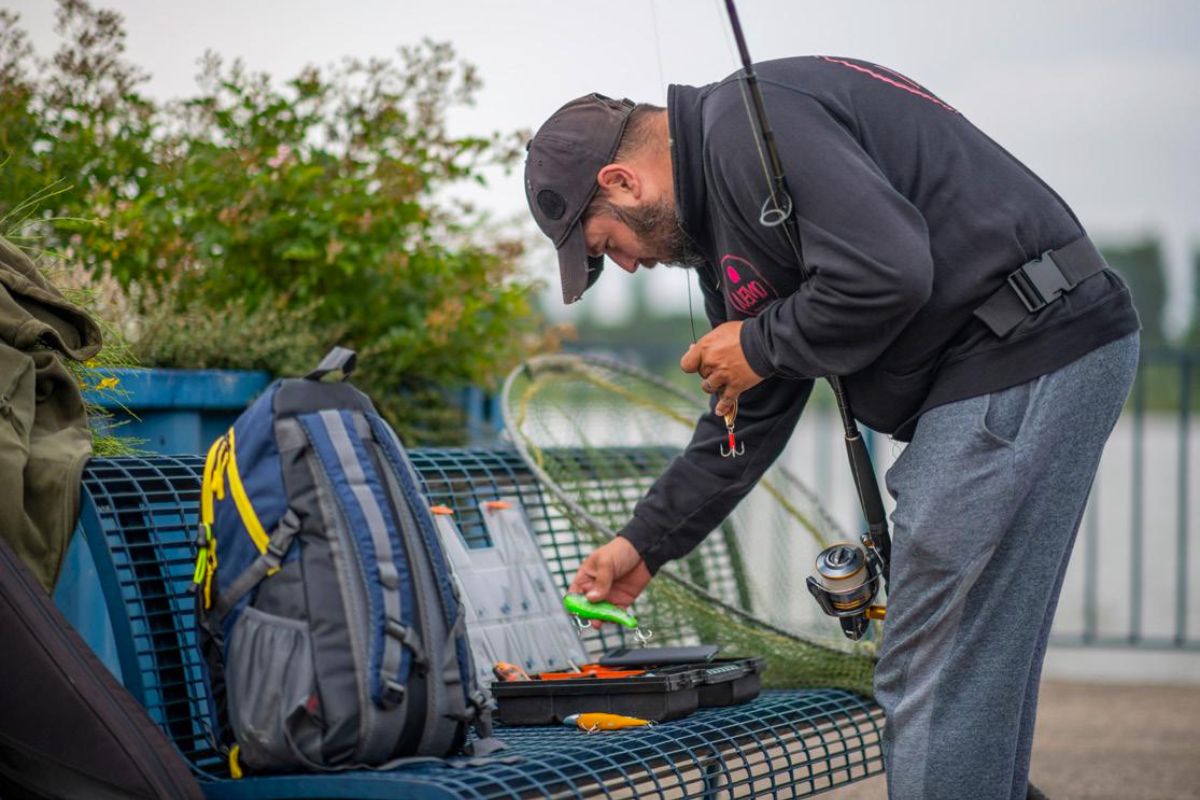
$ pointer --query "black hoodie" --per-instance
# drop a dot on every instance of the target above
(910, 218)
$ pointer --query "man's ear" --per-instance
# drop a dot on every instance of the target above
(619, 180)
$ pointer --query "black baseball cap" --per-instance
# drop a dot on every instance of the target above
(560, 179)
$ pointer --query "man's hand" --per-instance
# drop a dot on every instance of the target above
(613, 572)
(719, 360)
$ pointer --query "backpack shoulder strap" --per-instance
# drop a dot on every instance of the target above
(266, 564)
(476, 705)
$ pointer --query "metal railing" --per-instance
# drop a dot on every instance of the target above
(1129, 583)
(1152, 452)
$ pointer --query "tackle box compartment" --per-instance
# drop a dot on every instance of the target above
(661, 694)
(654, 697)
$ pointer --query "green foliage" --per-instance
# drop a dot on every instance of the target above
(269, 220)
(1192, 339)
(95, 376)
(272, 336)
(1168, 378)
(1141, 265)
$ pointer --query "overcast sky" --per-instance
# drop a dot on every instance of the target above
(1100, 97)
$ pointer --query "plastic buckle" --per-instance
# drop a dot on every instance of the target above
(273, 558)
(482, 701)
(396, 630)
(393, 692)
(1038, 283)
(203, 535)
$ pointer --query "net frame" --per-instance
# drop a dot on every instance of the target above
(677, 599)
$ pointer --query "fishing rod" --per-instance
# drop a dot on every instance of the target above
(848, 578)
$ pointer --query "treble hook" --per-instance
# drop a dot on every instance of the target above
(734, 449)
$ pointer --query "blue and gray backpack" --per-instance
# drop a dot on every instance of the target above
(331, 629)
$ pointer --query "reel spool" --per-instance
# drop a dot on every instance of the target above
(846, 583)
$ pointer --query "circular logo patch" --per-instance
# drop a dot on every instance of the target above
(551, 203)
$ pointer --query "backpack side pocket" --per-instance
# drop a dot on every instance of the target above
(272, 689)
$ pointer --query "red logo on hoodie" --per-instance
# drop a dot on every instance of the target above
(744, 285)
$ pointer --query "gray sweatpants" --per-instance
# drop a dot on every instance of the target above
(989, 495)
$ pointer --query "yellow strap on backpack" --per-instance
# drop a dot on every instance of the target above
(235, 769)
(210, 485)
(220, 466)
(242, 500)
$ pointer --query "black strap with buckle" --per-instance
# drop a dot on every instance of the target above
(1038, 283)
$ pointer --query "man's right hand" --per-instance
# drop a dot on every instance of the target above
(613, 572)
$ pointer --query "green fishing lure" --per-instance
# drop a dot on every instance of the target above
(604, 611)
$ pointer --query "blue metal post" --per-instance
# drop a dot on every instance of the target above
(1091, 600)
(1181, 558)
(1135, 559)
(473, 400)
(175, 411)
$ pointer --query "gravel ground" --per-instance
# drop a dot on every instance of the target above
(1105, 742)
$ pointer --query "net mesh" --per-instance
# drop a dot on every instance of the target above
(598, 432)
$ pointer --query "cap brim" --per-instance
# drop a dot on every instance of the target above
(576, 269)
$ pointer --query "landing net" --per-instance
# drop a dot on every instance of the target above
(597, 432)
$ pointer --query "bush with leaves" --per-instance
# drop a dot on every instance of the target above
(306, 212)
(98, 377)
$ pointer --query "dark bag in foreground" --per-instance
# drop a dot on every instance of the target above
(331, 629)
(67, 727)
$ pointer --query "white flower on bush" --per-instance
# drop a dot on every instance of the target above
(282, 154)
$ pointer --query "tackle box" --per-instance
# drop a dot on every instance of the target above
(653, 697)
(661, 694)
(514, 614)
(726, 682)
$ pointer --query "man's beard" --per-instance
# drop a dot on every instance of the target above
(661, 232)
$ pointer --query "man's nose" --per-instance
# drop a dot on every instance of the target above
(627, 263)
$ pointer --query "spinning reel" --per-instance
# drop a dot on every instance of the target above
(847, 582)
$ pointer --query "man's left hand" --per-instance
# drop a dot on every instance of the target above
(720, 362)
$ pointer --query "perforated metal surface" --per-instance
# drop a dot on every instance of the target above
(783, 745)
(139, 518)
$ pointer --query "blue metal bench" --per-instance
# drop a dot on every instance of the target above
(137, 521)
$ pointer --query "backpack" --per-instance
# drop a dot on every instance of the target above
(332, 633)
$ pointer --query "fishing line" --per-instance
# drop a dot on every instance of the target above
(740, 77)
(726, 36)
(662, 88)
(662, 81)
(741, 82)
(772, 196)
(691, 314)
